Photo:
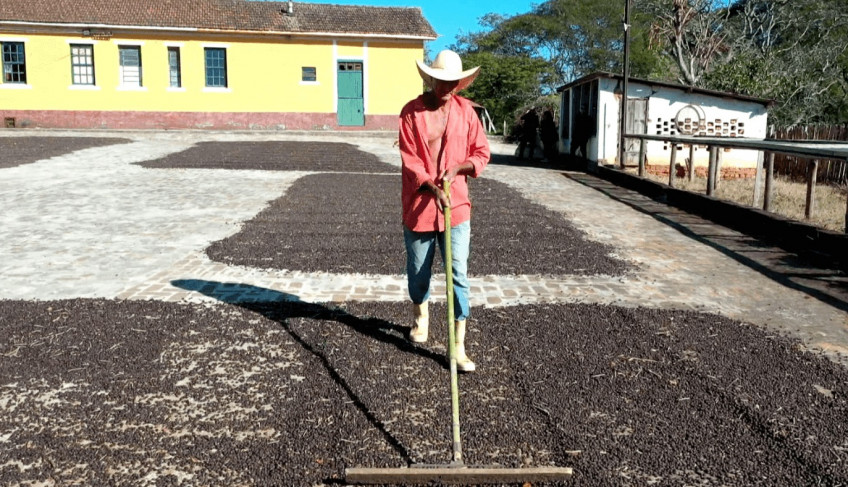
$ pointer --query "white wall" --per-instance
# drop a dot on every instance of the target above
(738, 117)
(723, 117)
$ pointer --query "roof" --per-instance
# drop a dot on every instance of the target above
(685, 88)
(222, 15)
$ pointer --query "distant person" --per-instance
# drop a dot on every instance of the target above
(548, 133)
(529, 125)
(582, 131)
(441, 139)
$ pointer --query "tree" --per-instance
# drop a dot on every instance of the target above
(576, 37)
(792, 52)
(691, 33)
(506, 82)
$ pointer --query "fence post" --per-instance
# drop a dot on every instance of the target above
(719, 159)
(642, 146)
(845, 165)
(758, 179)
(812, 174)
(691, 162)
(711, 171)
(769, 181)
(671, 164)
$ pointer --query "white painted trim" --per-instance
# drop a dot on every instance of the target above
(15, 86)
(208, 89)
(364, 78)
(223, 31)
(174, 89)
(84, 87)
(97, 26)
(309, 83)
(174, 44)
(360, 35)
(215, 45)
(335, 78)
(82, 41)
(14, 39)
(119, 42)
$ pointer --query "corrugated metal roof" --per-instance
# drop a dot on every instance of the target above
(223, 15)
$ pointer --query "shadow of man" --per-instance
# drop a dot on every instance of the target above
(281, 307)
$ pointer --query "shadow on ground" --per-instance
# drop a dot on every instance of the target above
(282, 307)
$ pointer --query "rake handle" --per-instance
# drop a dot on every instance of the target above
(457, 442)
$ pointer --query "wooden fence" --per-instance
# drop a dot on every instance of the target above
(828, 171)
(769, 149)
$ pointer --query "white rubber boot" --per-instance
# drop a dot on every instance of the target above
(418, 334)
(463, 363)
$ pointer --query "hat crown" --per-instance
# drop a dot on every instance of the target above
(447, 61)
(447, 67)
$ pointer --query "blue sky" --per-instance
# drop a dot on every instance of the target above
(449, 17)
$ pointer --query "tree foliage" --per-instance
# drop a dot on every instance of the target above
(506, 82)
(690, 32)
(792, 51)
(526, 57)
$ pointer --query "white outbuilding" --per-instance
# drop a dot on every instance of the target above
(591, 106)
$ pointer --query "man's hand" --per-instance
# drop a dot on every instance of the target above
(450, 174)
(441, 198)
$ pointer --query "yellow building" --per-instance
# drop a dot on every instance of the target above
(222, 64)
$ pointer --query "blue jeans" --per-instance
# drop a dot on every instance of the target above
(420, 250)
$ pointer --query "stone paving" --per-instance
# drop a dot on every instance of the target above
(94, 224)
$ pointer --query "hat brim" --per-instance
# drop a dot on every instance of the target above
(429, 74)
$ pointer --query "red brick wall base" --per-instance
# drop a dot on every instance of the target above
(73, 119)
(701, 171)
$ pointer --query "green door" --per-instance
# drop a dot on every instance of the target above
(351, 103)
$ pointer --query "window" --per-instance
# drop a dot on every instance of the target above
(216, 67)
(82, 64)
(308, 74)
(14, 63)
(350, 66)
(174, 67)
(130, 59)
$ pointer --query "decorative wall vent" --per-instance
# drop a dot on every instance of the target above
(691, 120)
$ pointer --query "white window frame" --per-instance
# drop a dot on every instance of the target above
(216, 89)
(309, 83)
(122, 86)
(84, 87)
(16, 86)
(168, 46)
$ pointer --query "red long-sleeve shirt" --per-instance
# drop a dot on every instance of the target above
(465, 142)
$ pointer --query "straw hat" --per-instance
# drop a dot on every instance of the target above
(447, 67)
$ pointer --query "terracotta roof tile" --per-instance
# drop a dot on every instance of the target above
(240, 15)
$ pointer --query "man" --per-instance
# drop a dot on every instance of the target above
(441, 139)
(582, 130)
(529, 123)
(548, 134)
